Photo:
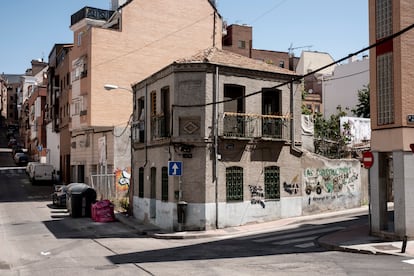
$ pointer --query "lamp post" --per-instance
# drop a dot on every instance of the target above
(131, 184)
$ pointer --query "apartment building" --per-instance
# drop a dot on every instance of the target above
(239, 39)
(340, 88)
(30, 105)
(9, 84)
(215, 132)
(120, 47)
(310, 61)
(58, 102)
(391, 81)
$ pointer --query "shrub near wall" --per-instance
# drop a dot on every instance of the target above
(330, 184)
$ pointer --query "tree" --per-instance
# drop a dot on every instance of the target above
(329, 141)
(362, 108)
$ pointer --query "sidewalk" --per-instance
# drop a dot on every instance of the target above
(354, 239)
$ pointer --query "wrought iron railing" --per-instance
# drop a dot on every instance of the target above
(241, 125)
(91, 13)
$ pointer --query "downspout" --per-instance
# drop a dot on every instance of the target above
(293, 149)
(215, 130)
(146, 125)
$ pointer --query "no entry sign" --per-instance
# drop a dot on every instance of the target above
(367, 159)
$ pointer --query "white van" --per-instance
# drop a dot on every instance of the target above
(42, 172)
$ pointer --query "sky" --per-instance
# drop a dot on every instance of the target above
(31, 28)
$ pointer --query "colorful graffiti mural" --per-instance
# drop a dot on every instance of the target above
(122, 178)
(330, 180)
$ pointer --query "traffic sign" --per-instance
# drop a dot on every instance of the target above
(367, 159)
(175, 168)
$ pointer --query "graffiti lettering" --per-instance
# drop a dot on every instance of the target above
(257, 195)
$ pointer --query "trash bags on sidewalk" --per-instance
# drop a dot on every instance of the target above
(103, 211)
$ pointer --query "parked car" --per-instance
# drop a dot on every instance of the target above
(10, 133)
(41, 172)
(12, 142)
(29, 167)
(21, 158)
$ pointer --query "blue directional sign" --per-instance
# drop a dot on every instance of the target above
(175, 168)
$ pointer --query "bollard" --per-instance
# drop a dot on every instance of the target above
(404, 244)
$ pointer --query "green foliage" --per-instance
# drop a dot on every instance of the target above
(329, 141)
(362, 108)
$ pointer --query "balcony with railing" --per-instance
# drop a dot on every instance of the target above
(249, 126)
(91, 13)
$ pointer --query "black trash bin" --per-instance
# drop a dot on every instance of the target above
(79, 200)
(181, 211)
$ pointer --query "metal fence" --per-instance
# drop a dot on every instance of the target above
(104, 185)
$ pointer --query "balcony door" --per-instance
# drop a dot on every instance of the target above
(271, 105)
(234, 108)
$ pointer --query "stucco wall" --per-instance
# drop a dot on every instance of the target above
(330, 184)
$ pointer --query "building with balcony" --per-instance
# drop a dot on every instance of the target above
(9, 84)
(120, 47)
(58, 102)
(233, 123)
(392, 117)
(31, 108)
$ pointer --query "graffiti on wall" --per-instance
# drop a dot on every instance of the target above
(122, 178)
(292, 188)
(257, 195)
(331, 183)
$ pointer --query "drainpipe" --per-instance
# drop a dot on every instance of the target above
(146, 125)
(215, 130)
(293, 149)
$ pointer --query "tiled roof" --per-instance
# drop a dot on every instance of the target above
(214, 55)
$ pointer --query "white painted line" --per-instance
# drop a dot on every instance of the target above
(301, 234)
(305, 245)
(409, 261)
(295, 240)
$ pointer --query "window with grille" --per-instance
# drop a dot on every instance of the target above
(272, 182)
(141, 182)
(164, 184)
(385, 97)
(383, 18)
(234, 184)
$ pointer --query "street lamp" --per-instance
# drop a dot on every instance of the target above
(131, 185)
(113, 87)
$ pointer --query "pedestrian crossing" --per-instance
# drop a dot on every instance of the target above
(10, 171)
(300, 238)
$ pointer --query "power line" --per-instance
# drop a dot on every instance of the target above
(268, 11)
(298, 78)
(155, 41)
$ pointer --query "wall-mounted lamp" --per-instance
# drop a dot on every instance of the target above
(113, 87)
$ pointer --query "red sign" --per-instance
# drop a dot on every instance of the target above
(367, 159)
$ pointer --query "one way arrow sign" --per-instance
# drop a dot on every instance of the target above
(175, 168)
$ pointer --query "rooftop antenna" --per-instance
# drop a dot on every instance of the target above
(291, 48)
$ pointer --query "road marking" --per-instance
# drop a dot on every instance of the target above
(300, 234)
(295, 240)
(305, 245)
(409, 261)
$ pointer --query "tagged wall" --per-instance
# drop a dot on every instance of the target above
(330, 184)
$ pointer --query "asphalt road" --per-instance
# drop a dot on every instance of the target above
(38, 239)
